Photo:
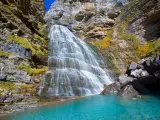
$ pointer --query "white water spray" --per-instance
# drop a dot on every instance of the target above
(74, 68)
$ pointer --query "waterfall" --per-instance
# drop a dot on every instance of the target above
(74, 69)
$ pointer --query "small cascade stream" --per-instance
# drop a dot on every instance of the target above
(74, 69)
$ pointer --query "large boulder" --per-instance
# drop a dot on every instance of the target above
(139, 73)
(151, 67)
(112, 88)
(146, 84)
(128, 91)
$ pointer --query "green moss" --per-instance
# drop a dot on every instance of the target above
(38, 38)
(32, 71)
(24, 42)
(4, 54)
(9, 86)
(40, 50)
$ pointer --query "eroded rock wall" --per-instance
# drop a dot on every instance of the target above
(23, 50)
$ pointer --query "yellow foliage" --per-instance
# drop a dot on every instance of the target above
(93, 43)
(122, 71)
(103, 44)
(143, 50)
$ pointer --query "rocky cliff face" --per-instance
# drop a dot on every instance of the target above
(92, 21)
(22, 24)
(136, 34)
(21, 17)
(144, 21)
(122, 32)
(23, 49)
(88, 19)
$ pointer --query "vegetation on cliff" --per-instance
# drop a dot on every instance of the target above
(32, 71)
(23, 49)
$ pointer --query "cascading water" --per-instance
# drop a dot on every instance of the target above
(73, 67)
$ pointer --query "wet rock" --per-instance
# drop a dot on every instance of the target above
(113, 88)
(3, 77)
(128, 91)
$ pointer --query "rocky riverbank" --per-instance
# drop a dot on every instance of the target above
(30, 102)
(140, 78)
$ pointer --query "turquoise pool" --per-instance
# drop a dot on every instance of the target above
(98, 107)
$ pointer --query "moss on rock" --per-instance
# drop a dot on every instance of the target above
(32, 71)
(24, 42)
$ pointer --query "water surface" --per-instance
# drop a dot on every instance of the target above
(94, 108)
